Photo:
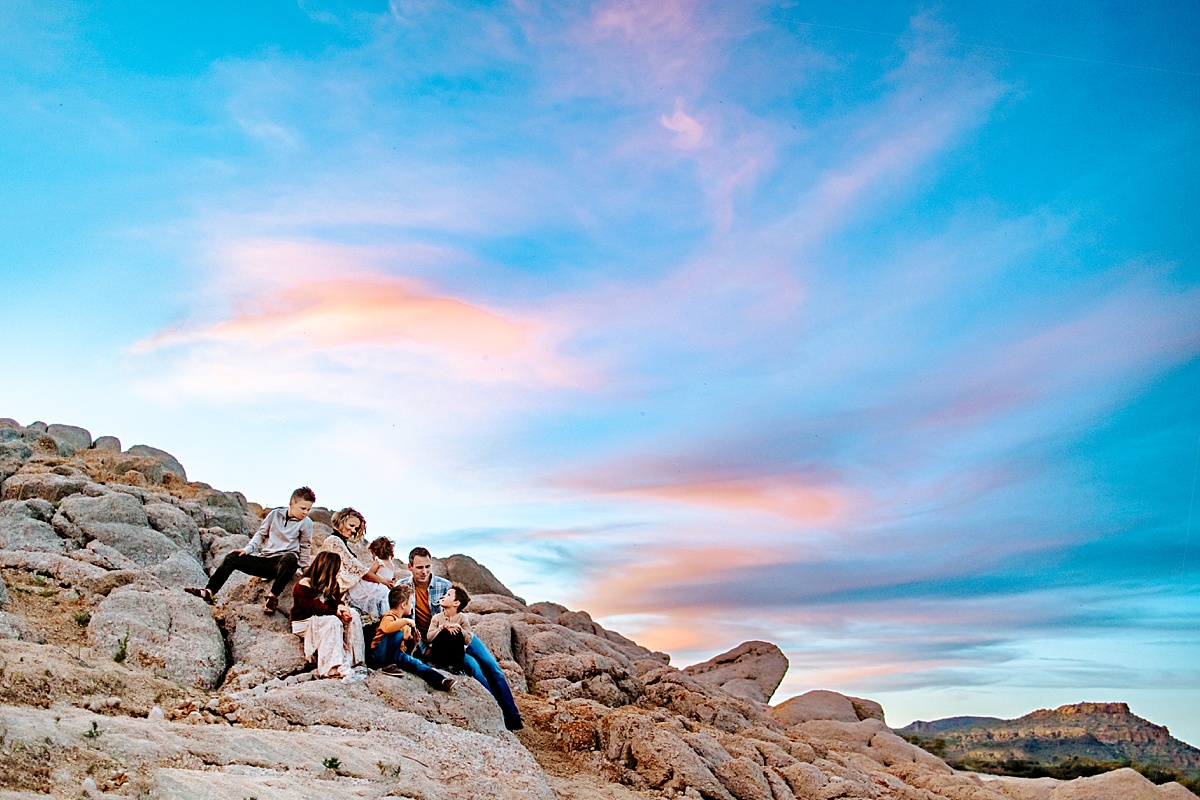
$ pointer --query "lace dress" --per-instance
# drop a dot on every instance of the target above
(368, 597)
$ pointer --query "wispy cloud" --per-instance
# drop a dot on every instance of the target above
(676, 310)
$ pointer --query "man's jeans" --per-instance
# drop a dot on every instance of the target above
(481, 665)
(390, 651)
(281, 567)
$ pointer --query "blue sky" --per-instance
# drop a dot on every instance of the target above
(869, 331)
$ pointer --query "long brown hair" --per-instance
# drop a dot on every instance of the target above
(322, 574)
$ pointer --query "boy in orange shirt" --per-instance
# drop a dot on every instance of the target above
(396, 636)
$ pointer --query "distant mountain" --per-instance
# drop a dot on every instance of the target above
(1079, 734)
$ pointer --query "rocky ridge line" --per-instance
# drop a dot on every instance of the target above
(114, 682)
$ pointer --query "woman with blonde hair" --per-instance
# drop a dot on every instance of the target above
(331, 630)
(363, 587)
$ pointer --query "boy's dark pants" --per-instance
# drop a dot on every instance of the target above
(281, 567)
(446, 651)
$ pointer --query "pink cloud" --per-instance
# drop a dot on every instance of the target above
(630, 588)
(364, 311)
(793, 496)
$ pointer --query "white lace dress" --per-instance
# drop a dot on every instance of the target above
(368, 597)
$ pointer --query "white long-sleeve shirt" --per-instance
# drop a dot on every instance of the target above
(440, 621)
(279, 534)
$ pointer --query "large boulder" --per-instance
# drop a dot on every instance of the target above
(168, 461)
(262, 646)
(75, 438)
(118, 520)
(561, 663)
(651, 755)
(222, 510)
(475, 577)
(170, 633)
(107, 444)
(382, 702)
(673, 689)
(176, 525)
(25, 525)
(816, 704)
(179, 571)
(48, 486)
(752, 670)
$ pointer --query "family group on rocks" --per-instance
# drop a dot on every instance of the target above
(335, 590)
(114, 681)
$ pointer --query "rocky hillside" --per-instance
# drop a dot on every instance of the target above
(114, 682)
(1096, 732)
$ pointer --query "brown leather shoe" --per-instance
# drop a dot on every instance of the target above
(202, 593)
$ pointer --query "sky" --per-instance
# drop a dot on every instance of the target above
(871, 330)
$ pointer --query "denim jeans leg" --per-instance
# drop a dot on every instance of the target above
(495, 681)
(471, 667)
(420, 669)
(390, 650)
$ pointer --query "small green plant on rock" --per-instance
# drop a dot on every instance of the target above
(83, 618)
(389, 769)
(122, 649)
(94, 733)
(332, 763)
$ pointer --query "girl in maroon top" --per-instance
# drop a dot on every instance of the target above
(331, 630)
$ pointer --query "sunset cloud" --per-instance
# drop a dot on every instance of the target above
(718, 320)
(373, 312)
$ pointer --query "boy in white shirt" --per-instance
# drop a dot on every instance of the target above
(282, 544)
(449, 631)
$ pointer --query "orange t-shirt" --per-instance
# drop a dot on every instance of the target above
(422, 613)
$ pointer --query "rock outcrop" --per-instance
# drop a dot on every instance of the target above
(752, 670)
(114, 681)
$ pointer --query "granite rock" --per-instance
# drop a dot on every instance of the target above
(752, 670)
(25, 525)
(168, 461)
(47, 486)
(119, 520)
(107, 444)
(169, 633)
(816, 704)
(75, 438)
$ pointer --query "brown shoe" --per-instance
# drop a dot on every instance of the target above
(203, 593)
(272, 604)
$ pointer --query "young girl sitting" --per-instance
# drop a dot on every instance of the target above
(395, 639)
(331, 630)
(449, 631)
(382, 552)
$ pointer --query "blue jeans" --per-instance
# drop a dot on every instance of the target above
(390, 651)
(480, 664)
